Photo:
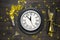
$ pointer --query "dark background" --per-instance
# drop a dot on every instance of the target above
(10, 32)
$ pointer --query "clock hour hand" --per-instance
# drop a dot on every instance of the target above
(29, 18)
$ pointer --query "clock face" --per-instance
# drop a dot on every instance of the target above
(30, 20)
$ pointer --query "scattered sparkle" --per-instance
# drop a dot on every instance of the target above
(44, 1)
(22, 38)
(5, 20)
(3, 33)
(0, 17)
(58, 10)
(43, 11)
(34, 36)
(57, 37)
(53, 3)
(39, 38)
(8, 38)
(16, 33)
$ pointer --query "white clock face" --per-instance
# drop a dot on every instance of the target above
(30, 20)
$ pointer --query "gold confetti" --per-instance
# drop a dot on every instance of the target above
(25, 2)
(16, 14)
(7, 13)
(47, 5)
(22, 38)
(34, 36)
(58, 25)
(8, 38)
(57, 37)
(44, 1)
(22, 1)
(6, 9)
(30, 6)
(39, 5)
(3, 33)
(58, 10)
(43, 11)
(50, 34)
(11, 28)
(44, 19)
(7, 28)
(5, 20)
(40, 32)
(17, 33)
(0, 17)
(39, 38)
(53, 3)
(36, 7)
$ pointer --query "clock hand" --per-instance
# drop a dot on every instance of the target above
(32, 25)
(30, 22)
(29, 18)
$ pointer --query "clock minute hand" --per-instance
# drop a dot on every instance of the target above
(30, 21)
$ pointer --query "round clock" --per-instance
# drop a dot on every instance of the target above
(30, 21)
